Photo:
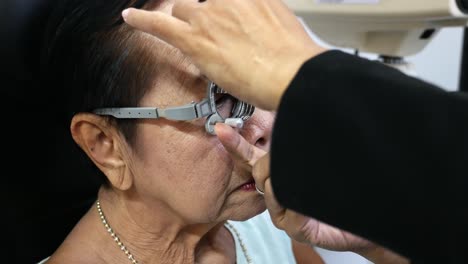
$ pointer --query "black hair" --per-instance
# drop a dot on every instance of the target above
(92, 59)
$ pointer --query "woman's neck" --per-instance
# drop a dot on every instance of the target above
(154, 235)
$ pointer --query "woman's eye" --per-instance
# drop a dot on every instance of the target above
(220, 99)
(224, 104)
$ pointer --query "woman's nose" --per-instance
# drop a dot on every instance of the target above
(257, 130)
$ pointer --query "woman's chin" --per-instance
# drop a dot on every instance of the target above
(250, 210)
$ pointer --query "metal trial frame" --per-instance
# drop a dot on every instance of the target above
(205, 108)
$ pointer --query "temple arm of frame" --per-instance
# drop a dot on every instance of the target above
(185, 112)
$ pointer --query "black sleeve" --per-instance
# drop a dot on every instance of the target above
(361, 146)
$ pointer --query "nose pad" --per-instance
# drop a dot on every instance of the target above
(212, 120)
(234, 122)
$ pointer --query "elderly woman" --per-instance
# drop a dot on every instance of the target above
(169, 186)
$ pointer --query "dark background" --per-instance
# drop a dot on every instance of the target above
(46, 187)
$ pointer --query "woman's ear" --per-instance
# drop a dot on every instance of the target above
(104, 146)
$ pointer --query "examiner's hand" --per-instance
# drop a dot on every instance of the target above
(251, 48)
(299, 227)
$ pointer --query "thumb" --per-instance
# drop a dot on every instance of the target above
(240, 149)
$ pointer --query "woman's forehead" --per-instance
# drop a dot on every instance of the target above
(177, 80)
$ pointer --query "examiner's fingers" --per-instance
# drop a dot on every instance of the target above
(237, 146)
(159, 24)
(277, 212)
(261, 171)
(184, 9)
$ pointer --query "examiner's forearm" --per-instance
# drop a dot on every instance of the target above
(381, 255)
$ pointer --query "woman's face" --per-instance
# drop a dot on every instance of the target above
(178, 165)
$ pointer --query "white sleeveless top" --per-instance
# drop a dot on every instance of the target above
(265, 244)
(262, 241)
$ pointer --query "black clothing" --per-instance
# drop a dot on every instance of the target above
(363, 147)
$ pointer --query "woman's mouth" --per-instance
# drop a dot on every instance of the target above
(248, 186)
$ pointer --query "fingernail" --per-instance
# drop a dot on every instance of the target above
(125, 14)
(217, 127)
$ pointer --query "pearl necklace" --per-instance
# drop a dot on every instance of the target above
(114, 235)
(134, 261)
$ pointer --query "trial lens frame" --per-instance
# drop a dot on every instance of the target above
(205, 108)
